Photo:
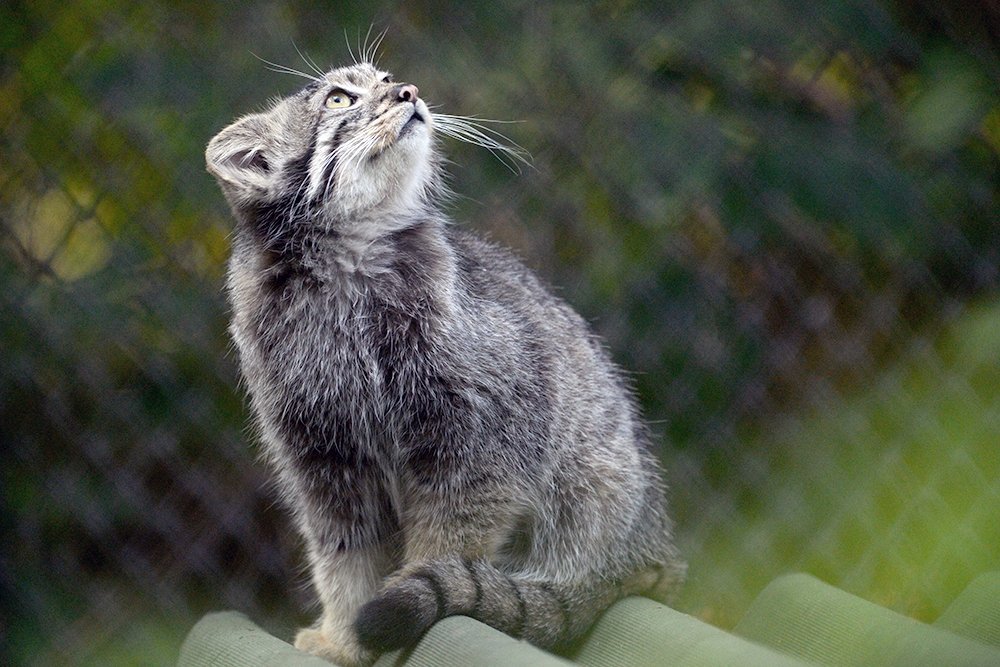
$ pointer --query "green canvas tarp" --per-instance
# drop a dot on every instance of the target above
(796, 620)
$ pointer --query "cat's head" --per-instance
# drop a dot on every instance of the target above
(352, 146)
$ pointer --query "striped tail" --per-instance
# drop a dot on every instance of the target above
(550, 615)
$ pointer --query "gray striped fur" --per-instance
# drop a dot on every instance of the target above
(449, 436)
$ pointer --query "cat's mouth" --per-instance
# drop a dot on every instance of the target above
(414, 120)
(402, 129)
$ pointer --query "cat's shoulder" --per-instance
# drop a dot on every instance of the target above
(480, 257)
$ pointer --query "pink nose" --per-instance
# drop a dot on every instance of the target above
(407, 93)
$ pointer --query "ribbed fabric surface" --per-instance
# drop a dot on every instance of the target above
(638, 632)
(458, 640)
(796, 620)
(804, 617)
(230, 639)
(976, 612)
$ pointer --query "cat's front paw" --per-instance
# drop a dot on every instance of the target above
(343, 651)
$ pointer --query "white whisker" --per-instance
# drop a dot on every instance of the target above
(473, 131)
(283, 69)
(477, 119)
(308, 61)
(363, 50)
(372, 55)
(347, 40)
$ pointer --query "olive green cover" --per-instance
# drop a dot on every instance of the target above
(976, 612)
(796, 620)
(637, 632)
(802, 616)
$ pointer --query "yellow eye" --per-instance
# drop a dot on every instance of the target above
(338, 99)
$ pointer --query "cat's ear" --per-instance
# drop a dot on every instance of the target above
(239, 159)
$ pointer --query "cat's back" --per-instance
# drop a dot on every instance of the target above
(499, 287)
(492, 275)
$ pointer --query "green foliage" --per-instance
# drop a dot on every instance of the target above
(891, 491)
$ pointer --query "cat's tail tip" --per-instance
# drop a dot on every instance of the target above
(395, 619)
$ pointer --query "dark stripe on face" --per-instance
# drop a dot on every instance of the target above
(274, 221)
(331, 160)
(298, 169)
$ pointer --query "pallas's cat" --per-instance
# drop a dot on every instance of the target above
(449, 436)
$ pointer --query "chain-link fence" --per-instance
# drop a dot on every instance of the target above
(783, 219)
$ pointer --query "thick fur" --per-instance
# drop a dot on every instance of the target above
(450, 437)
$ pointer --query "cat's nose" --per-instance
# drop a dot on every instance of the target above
(407, 92)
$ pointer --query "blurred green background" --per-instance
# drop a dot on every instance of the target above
(782, 216)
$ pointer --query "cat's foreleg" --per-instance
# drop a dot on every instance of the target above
(351, 544)
(345, 580)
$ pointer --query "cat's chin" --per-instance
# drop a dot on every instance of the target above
(417, 121)
(419, 117)
(414, 128)
(412, 143)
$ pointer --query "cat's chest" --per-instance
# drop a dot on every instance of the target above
(316, 334)
(317, 342)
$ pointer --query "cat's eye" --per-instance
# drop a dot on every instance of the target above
(338, 99)
(387, 78)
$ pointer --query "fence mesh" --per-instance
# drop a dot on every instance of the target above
(782, 219)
